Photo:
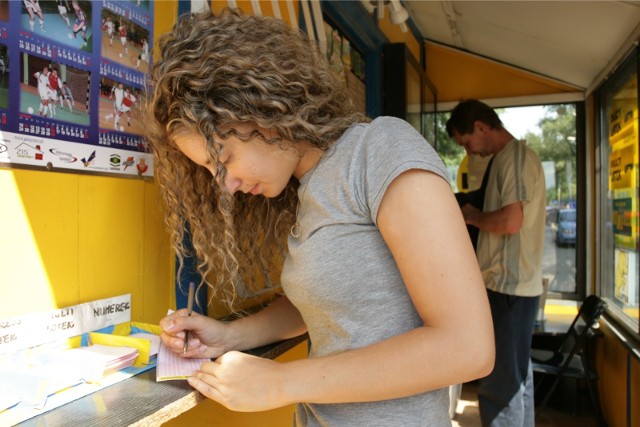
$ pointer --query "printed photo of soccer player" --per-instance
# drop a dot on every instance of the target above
(125, 42)
(4, 77)
(53, 90)
(4, 10)
(120, 107)
(65, 21)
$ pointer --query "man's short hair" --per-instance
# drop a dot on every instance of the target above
(467, 112)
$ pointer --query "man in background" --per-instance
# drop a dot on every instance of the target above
(510, 248)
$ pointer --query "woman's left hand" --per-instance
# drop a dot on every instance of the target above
(241, 382)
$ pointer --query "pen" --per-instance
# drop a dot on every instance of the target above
(189, 309)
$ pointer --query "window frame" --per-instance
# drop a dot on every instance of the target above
(605, 242)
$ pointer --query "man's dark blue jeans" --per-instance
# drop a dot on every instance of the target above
(505, 396)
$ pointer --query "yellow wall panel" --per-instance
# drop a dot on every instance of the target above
(110, 223)
(164, 18)
(69, 239)
(611, 364)
(158, 259)
(39, 241)
(218, 6)
(458, 75)
(266, 7)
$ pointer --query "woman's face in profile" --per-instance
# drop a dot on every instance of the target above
(253, 166)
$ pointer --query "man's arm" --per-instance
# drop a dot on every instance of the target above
(506, 220)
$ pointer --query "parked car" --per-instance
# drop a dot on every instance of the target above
(566, 233)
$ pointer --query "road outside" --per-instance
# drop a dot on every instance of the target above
(558, 263)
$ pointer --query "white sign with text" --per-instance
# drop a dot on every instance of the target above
(30, 330)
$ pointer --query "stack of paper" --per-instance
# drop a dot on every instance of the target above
(154, 340)
(146, 343)
(97, 361)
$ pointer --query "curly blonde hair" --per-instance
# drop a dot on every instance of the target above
(216, 72)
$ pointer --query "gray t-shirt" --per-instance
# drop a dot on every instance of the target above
(340, 273)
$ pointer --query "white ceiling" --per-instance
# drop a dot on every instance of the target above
(575, 42)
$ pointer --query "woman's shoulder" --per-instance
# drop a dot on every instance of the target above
(389, 123)
(379, 136)
(380, 125)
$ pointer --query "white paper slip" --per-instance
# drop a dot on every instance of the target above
(30, 387)
(173, 367)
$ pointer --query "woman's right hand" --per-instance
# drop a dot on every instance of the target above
(206, 335)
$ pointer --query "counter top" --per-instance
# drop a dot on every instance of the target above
(139, 400)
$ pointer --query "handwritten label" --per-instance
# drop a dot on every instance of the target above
(110, 309)
(33, 329)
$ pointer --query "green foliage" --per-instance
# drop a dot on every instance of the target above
(450, 152)
(557, 143)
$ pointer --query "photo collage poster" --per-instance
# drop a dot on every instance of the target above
(72, 77)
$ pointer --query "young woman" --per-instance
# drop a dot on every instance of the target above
(259, 151)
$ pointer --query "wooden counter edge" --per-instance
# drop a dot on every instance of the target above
(171, 411)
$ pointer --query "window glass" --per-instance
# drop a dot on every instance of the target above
(430, 107)
(414, 96)
(550, 130)
(619, 181)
